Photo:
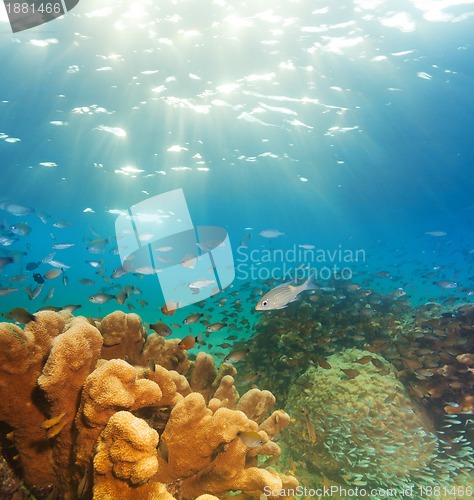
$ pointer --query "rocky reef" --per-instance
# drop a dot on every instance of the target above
(381, 391)
(357, 424)
(288, 341)
(100, 409)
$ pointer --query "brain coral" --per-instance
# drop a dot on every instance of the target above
(355, 423)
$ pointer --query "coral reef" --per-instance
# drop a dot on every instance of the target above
(357, 424)
(100, 408)
(288, 341)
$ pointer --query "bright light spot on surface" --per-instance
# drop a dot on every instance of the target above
(189, 33)
(267, 77)
(117, 131)
(116, 211)
(73, 69)
(433, 10)
(228, 88)
(180, 169)
(175, 18)
(401, 21)
(48, 164)
(104, 12)
(131, 170)
(44, 43)
(165, 41)
(287, 65)
(368, 4)
(238, 22)
(3, 16)
(403, 53)
(128, 170)
(135, 11)
(219, 102)
(159, 89)
(423, 75)
(337, 44)
(119, 25)
(176, 149)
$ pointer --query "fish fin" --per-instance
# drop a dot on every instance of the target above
(310, 284)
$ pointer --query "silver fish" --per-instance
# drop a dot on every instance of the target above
(43, 216)
(21, 229)
(32, 294)
(101, 298)
(62, 246)
(118, 272)
(446, 284)
(61, 224)
(16, 210)
(60, 265)
(97, 246)
(280, 296)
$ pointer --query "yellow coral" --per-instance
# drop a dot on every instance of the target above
(22, 356)
(146, 431)
(123, 336)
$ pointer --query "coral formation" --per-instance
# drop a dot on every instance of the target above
(100, 408)
(288, 340)
(357, 424)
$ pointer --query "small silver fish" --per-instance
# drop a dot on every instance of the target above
(101, 298)
(192, 318)
(21, 229)
(236, 356)
(271, 233)
(62, 246)
(43, 216)
(215, 327)
(60, 265)
(95, 263)
(446, 284)
(97, 246)
(32, 294)
(61, 224)
(15, 209)
(118, 272)
(280, 296)
(71, 307)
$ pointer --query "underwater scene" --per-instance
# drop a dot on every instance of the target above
(236, 249)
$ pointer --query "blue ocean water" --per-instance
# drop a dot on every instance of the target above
(336, 128)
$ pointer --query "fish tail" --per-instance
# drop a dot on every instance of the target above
(310, 284)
